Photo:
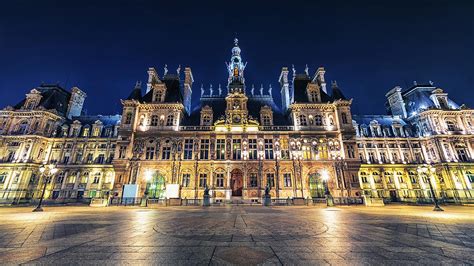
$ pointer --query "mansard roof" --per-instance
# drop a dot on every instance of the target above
(107, 120)
(174, 90)
(418, 98)
(54, 97)
(383, 120)
(300, 94)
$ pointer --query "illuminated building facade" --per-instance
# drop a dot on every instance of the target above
(236, 141)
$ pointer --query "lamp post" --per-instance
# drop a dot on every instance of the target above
(261, 155)
(428, 171)
(47, 171)
(148, 176)
(329, 199)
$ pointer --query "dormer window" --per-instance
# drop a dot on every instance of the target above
(154, 121)
(266, 116)
(313, 93)
(170, 120)
(158, 95)
(128, 118)
(206, 116)
(303, 120)
(318, 120)
(32, 99)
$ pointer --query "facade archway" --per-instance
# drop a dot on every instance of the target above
(316, 186)
(236, 182)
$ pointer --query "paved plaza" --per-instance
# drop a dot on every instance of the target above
(237, 235)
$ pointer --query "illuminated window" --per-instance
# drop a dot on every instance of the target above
(287, 179)
(252, 149)
(236, 149)
(220, 149)
(219, 180)
(253, 180)
(451, 125)
(149, 153)
(188, 149)
(268, 149)
(166, 153)
(202, 180)
(204, 150)
(303, 120)
(186, 180)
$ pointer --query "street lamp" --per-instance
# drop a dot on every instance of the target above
(148, 177)
(428, 171)
(47, 172)
(325, 177)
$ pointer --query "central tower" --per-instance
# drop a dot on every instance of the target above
(236, 80)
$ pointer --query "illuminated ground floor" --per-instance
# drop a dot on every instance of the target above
(391, 235)
(241, 181)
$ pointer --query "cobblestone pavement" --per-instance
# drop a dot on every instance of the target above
(237, 235)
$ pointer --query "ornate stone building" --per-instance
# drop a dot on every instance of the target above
(236, 141)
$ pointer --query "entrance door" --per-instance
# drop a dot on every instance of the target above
(393, 195)
(236, 183)
(316, 186)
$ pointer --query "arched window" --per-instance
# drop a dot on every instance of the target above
(318, 120)
(154, 120)
(451, 125)
(170, 120)
(303, 120)
(22, 127)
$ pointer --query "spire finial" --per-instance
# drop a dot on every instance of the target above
(220, 89)
(165, 70)
(202, 89)
(236, 41)
(270, 90)
(179, 69)
(294, 70)
(306, 70)
(138, 84)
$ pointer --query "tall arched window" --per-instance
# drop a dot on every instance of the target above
(22, 127)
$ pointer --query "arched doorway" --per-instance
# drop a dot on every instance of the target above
(316, 186)
(236, 182)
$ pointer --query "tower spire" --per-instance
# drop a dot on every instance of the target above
(236, 69)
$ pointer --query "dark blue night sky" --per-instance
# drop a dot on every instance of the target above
(367, 46)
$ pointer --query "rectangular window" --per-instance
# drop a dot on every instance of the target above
(96, 179)
(186, 180)
(122, 151)
(204, 151)
(89, 158)
(149, 153)
(253, 149)
(202, 180)
(236, 149)
(371, 157)
(220, 149)
(364, 179)
(253, 180)
(100, 159)
(66, 159)
(287, 179)
(219, 180)
(271, 180)
(166, 153)
(188, 149)
(350, 151)
(268, 149)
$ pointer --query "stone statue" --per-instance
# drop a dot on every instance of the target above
(165, 70)
(270, 90)
(210, 91)
(306, 70)
(252, 90)
(261, 90)
(202, 90)
(178, 70)
(220, 90)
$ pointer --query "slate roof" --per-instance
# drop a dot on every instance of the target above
(299, 91)
(107, 120)
(174, 90)
(418, 97)
(53, 97)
